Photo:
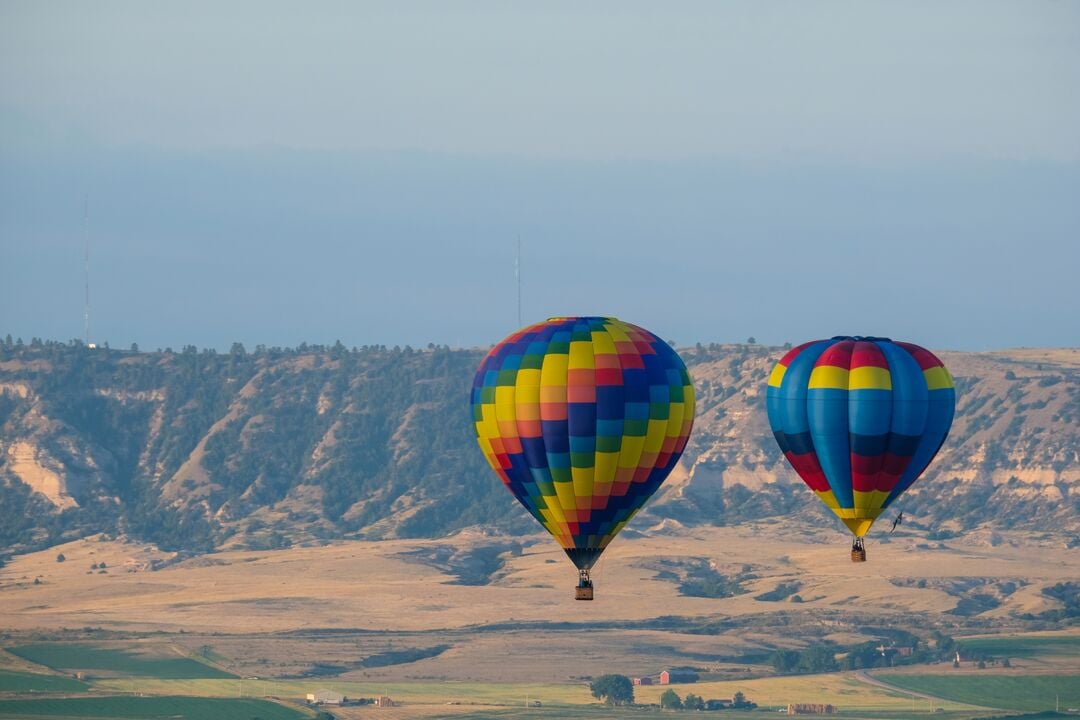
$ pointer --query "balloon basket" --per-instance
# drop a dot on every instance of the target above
(584, 589)
(858, 550)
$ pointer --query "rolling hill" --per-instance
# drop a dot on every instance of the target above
(197, 450)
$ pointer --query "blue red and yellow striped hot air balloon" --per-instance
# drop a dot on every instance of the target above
(582, 418)
(860, 419)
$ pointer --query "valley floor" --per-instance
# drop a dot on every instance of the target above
(473, 626)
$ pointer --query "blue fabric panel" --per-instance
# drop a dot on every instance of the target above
(939, 416)
(827, 413)
(910, 400)
(869, 412)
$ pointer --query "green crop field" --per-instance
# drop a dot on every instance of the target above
(65, 656)
(598, 713)
(437, 693)
(143, 708)
(1019, 692)
(1022, 646)
(20, 682)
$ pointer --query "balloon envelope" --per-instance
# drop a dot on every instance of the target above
(582, 418)
(860, 419)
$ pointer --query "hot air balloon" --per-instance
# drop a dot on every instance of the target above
(582, 418)
(860, 419)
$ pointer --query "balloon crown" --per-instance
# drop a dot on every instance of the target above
(862, 338)
(563, 318)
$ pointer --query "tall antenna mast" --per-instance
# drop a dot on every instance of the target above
(86, 268)
(517, 276)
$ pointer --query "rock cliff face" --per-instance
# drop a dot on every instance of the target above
(196, 450)
(1012, 457)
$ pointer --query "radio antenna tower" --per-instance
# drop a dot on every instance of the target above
(86, 269)
(517, 276)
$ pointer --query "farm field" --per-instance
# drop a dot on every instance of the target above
(1027, 692)
(140, 708)
(97, 659)
(22, 682)
(1046, 650)
(840, 689)
(242, 626)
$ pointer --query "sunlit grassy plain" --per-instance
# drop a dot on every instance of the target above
(1027, 692)
(140, 708)
(278, 613)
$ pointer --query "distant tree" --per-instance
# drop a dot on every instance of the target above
(694, 702)
(613, 689)
(1010, 375)
(740, 702)
(134, 347)
(1006, 663)
(670, 700)
(751, 340)
(982, 664)
(60, 558)
(787, 346)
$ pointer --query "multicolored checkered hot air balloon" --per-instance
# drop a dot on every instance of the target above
(860, 419)
(583, 418)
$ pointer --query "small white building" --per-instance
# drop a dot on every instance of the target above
(325, 697)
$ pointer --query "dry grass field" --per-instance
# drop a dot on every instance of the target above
(376, 586)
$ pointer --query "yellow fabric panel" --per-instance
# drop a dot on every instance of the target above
(603, 343)
(527, 377)
(856, 513)
(606, 463)
(504, 402)
(825, 377)
(654, 436)
(564, 492)
(869, 377)
(829, 498)
(937, 378)
(553, 371)
(675, 419)
(858, 527)
(553, 515)
(583, 483)
(777, 375)
(867, 502)
(489, 425)
(617, 331)
(632, 447)
(581, 355)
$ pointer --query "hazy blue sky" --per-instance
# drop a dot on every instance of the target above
(272, 172)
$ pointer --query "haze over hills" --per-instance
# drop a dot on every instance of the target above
(196, 450)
